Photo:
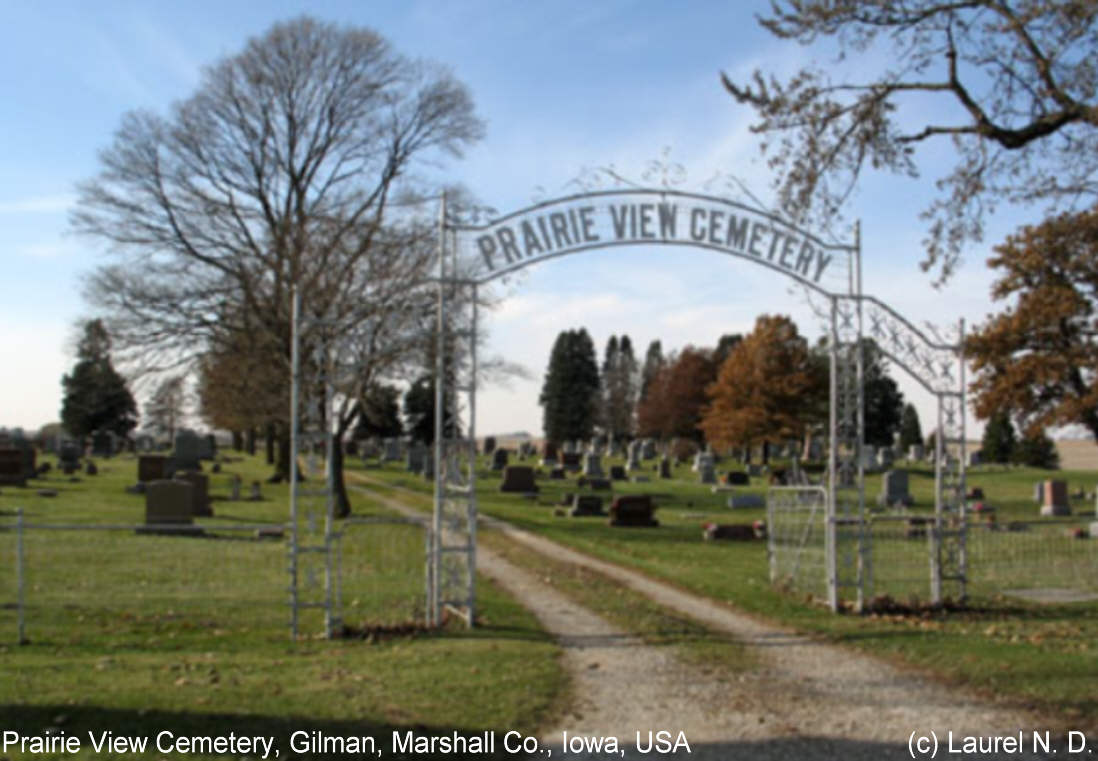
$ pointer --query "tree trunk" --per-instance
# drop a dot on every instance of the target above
(238, 441)
(339, 485)
(766, 453)
(249, 440)
(282, 468)
(270, 440)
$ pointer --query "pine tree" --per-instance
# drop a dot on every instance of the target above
(884, 402)
(570, 392)
(653, 362)
(911, 433)
(1037, 450)
(619, 388)
(380, 413)
(999, 440)
(95, 395)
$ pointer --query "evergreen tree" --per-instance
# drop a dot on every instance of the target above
(95, 395)
(911, 433)
(619, 388)
(1037, 451)
(419, 412)
(999, 440)
(884, 402)
(653, 362)
(570, 393)
(380, 413)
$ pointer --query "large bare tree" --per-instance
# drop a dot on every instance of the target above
(1011, 83)
(288, 167)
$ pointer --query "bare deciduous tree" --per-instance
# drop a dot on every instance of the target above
(285, 168)
(1012, 83)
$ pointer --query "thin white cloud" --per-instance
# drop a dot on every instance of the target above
(38, 204)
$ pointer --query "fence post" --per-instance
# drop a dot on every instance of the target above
(19, 582)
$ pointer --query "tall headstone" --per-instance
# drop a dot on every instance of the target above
(634, 452)
(894, 490)
(390, 450)
(200, 491)
(592, 466)
(69, 457)
(188, 448)
(648, 449)
(915, 452)
(499, 459)
(417, 454)
(489, 444)
(1055, 498)
(707, 473)
(549, 454)
(665, 467)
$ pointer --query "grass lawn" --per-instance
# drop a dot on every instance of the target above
(1042, 656)
(137, 634)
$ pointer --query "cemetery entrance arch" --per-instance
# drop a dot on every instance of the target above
(474, 253)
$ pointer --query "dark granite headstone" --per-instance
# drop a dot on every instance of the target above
(153, 467)
(586, 504)
(200, 494)
(499, 459)
(633, 510)
(518, 478)
(617, 473)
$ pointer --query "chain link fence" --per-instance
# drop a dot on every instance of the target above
(1046, 560)
(137, 585)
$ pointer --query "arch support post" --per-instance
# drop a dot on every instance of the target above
(451, 574)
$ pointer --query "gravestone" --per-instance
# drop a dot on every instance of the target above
(499, 459)
(568, 448)
(169, 502)
(69, 457)
(417, 455)
(737, 478)
(489, 444)
(884, 458)
(557, 474)
(549, 454)
(585, 505)
(707, 474)
(188, 447)
(1039, 492)
(745, 501)
(390, 450)
(1055, 500)
(617, 473)
(976, 458)
(526, 449)
(144, 443)
(591, 465)
(200, 491)
(570, 461)
(594, 482)
(915, 452)
(102, 444)
(518, 479)
(234, 488)
(207, 447)
(11, 467)
(632, 510)
(869, 457)
(256, 494)
(648, 449)
(634, 451)
(90, 469)
(894, 490)
(153, 467)
(815, 449)
(665, 467)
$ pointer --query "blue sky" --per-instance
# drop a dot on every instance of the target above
(562, 86)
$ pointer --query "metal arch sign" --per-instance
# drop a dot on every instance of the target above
(604, 219)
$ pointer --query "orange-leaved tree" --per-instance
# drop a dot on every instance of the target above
(1038, 358)
(768, 389)
(673, 403)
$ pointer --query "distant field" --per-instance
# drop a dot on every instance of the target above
(1078, 455)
